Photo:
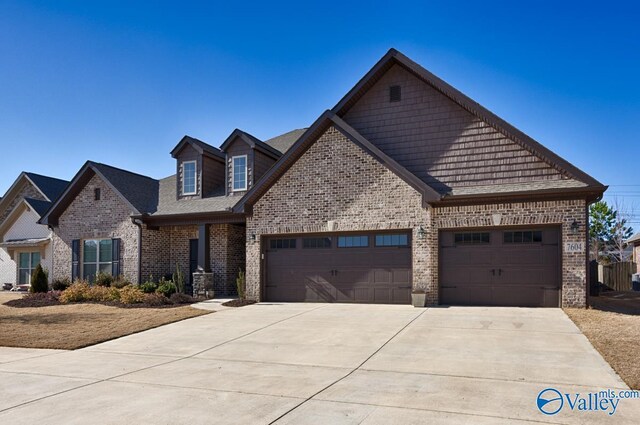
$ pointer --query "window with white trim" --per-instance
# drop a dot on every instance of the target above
(27, 262)
(189, 169)
(239, 172)
(96, 257)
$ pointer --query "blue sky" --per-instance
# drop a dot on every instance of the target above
(122, 82)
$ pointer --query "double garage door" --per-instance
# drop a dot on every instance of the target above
(499, 267)
(358, 268)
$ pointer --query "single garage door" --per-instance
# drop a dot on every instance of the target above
(358, 268)
(500, 267)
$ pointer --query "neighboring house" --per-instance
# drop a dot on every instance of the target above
(405, 185)
(23, 242)
(634, 241)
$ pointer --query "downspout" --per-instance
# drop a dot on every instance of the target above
(138, 223)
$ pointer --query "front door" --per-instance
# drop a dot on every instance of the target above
(193, 264)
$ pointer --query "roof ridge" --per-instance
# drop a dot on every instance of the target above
(46, 177)
(120, 169)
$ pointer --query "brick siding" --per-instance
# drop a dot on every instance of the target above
(86, 218)
(335, 180)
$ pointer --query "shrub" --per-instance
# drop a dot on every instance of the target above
(120, 282)
(241, 283)
(131, 295)
(180, 298)
(155, 300)
(39, 281)
(103, 294)
(178, 279)
(104, 279)
(78, 291)
(61, 284)
(166, 288)
(148, 287)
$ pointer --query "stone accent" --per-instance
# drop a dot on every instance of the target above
(86, 218)
(562, 213)
(335, 180)
(203, 284)
(27, 190)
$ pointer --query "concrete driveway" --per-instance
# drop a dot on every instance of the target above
(317, 364)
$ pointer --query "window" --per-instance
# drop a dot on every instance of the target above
(353, 241)
(96, 193)
(392, 240)
(239, 172)
(472, 238)
(189, 178)
(282, 244)
(316, 243)
(96, 257)
(525, 236)
(395, 94)
(27, 263)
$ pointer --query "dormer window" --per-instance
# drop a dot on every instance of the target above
(189, 178)
(239, 173)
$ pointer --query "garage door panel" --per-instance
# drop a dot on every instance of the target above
(372, 274)
(515, 268)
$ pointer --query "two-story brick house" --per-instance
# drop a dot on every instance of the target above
(406, 185)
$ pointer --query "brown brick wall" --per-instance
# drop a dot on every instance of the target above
(336, 180)
(86, 218)
(167, 247)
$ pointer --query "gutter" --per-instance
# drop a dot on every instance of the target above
(138, 222)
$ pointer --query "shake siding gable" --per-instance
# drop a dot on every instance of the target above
(437, 140)
(86, 218)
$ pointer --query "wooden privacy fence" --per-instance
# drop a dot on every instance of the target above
(617, 276)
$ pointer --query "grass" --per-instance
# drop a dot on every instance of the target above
(72, 326)
(614, 334)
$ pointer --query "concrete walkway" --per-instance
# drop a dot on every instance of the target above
(317, 364)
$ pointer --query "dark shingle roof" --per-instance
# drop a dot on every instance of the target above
(38, 205)
(284, 141)
(170, 205)
(51, 187)
(141, 191)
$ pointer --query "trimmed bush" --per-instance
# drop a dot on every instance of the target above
(179, 298)
(39, 281)
(120, 282)
(78, 291)
(148, 287)
(104, 279)
(61, 284)
(166, 288)
(131, 295)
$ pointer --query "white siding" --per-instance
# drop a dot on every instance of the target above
(25, 227)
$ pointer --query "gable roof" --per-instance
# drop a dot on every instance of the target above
(200, 147)
(393, 57)
(37, 205)
(313, 133)
(49, 187)
(252, 141)
(139, 192)
(634, 239)
(284, 141)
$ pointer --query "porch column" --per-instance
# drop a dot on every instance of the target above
(204, 262)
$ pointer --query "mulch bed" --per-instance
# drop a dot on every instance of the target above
(238, 303)
(50, 299)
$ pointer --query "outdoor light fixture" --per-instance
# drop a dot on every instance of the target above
(253, 237)
(575, 226)
(421, 232)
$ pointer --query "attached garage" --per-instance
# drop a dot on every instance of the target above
(500, 267)
(339, 267)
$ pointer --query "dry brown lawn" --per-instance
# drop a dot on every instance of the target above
(74, 326)
(616, 336)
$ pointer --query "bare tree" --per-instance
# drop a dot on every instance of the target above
(621, 231)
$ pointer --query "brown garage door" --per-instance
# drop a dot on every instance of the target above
(361, 268)
(506, 267)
